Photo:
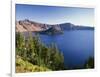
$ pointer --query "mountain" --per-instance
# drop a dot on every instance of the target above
(27, 25)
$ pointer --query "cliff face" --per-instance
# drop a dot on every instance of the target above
(27, 25)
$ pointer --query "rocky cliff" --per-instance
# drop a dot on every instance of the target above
(27, 25)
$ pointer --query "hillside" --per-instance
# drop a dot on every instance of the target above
(27, 25)
(23, 66)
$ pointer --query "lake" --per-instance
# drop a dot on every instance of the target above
(77, 46)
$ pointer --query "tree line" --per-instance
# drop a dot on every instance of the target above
(31, 49)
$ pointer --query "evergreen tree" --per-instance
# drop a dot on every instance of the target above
(89, 63)
(33, 50)
(20, 44)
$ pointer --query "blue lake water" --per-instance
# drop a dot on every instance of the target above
(77, 45)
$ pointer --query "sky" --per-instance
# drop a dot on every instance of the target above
(55, 15)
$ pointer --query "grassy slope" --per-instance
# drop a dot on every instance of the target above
(25, 66)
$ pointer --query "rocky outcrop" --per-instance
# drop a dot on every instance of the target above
(27, 25)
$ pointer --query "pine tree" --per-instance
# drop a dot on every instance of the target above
(20, 44)
(33, 50)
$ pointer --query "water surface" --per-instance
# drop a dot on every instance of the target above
(77, 46)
